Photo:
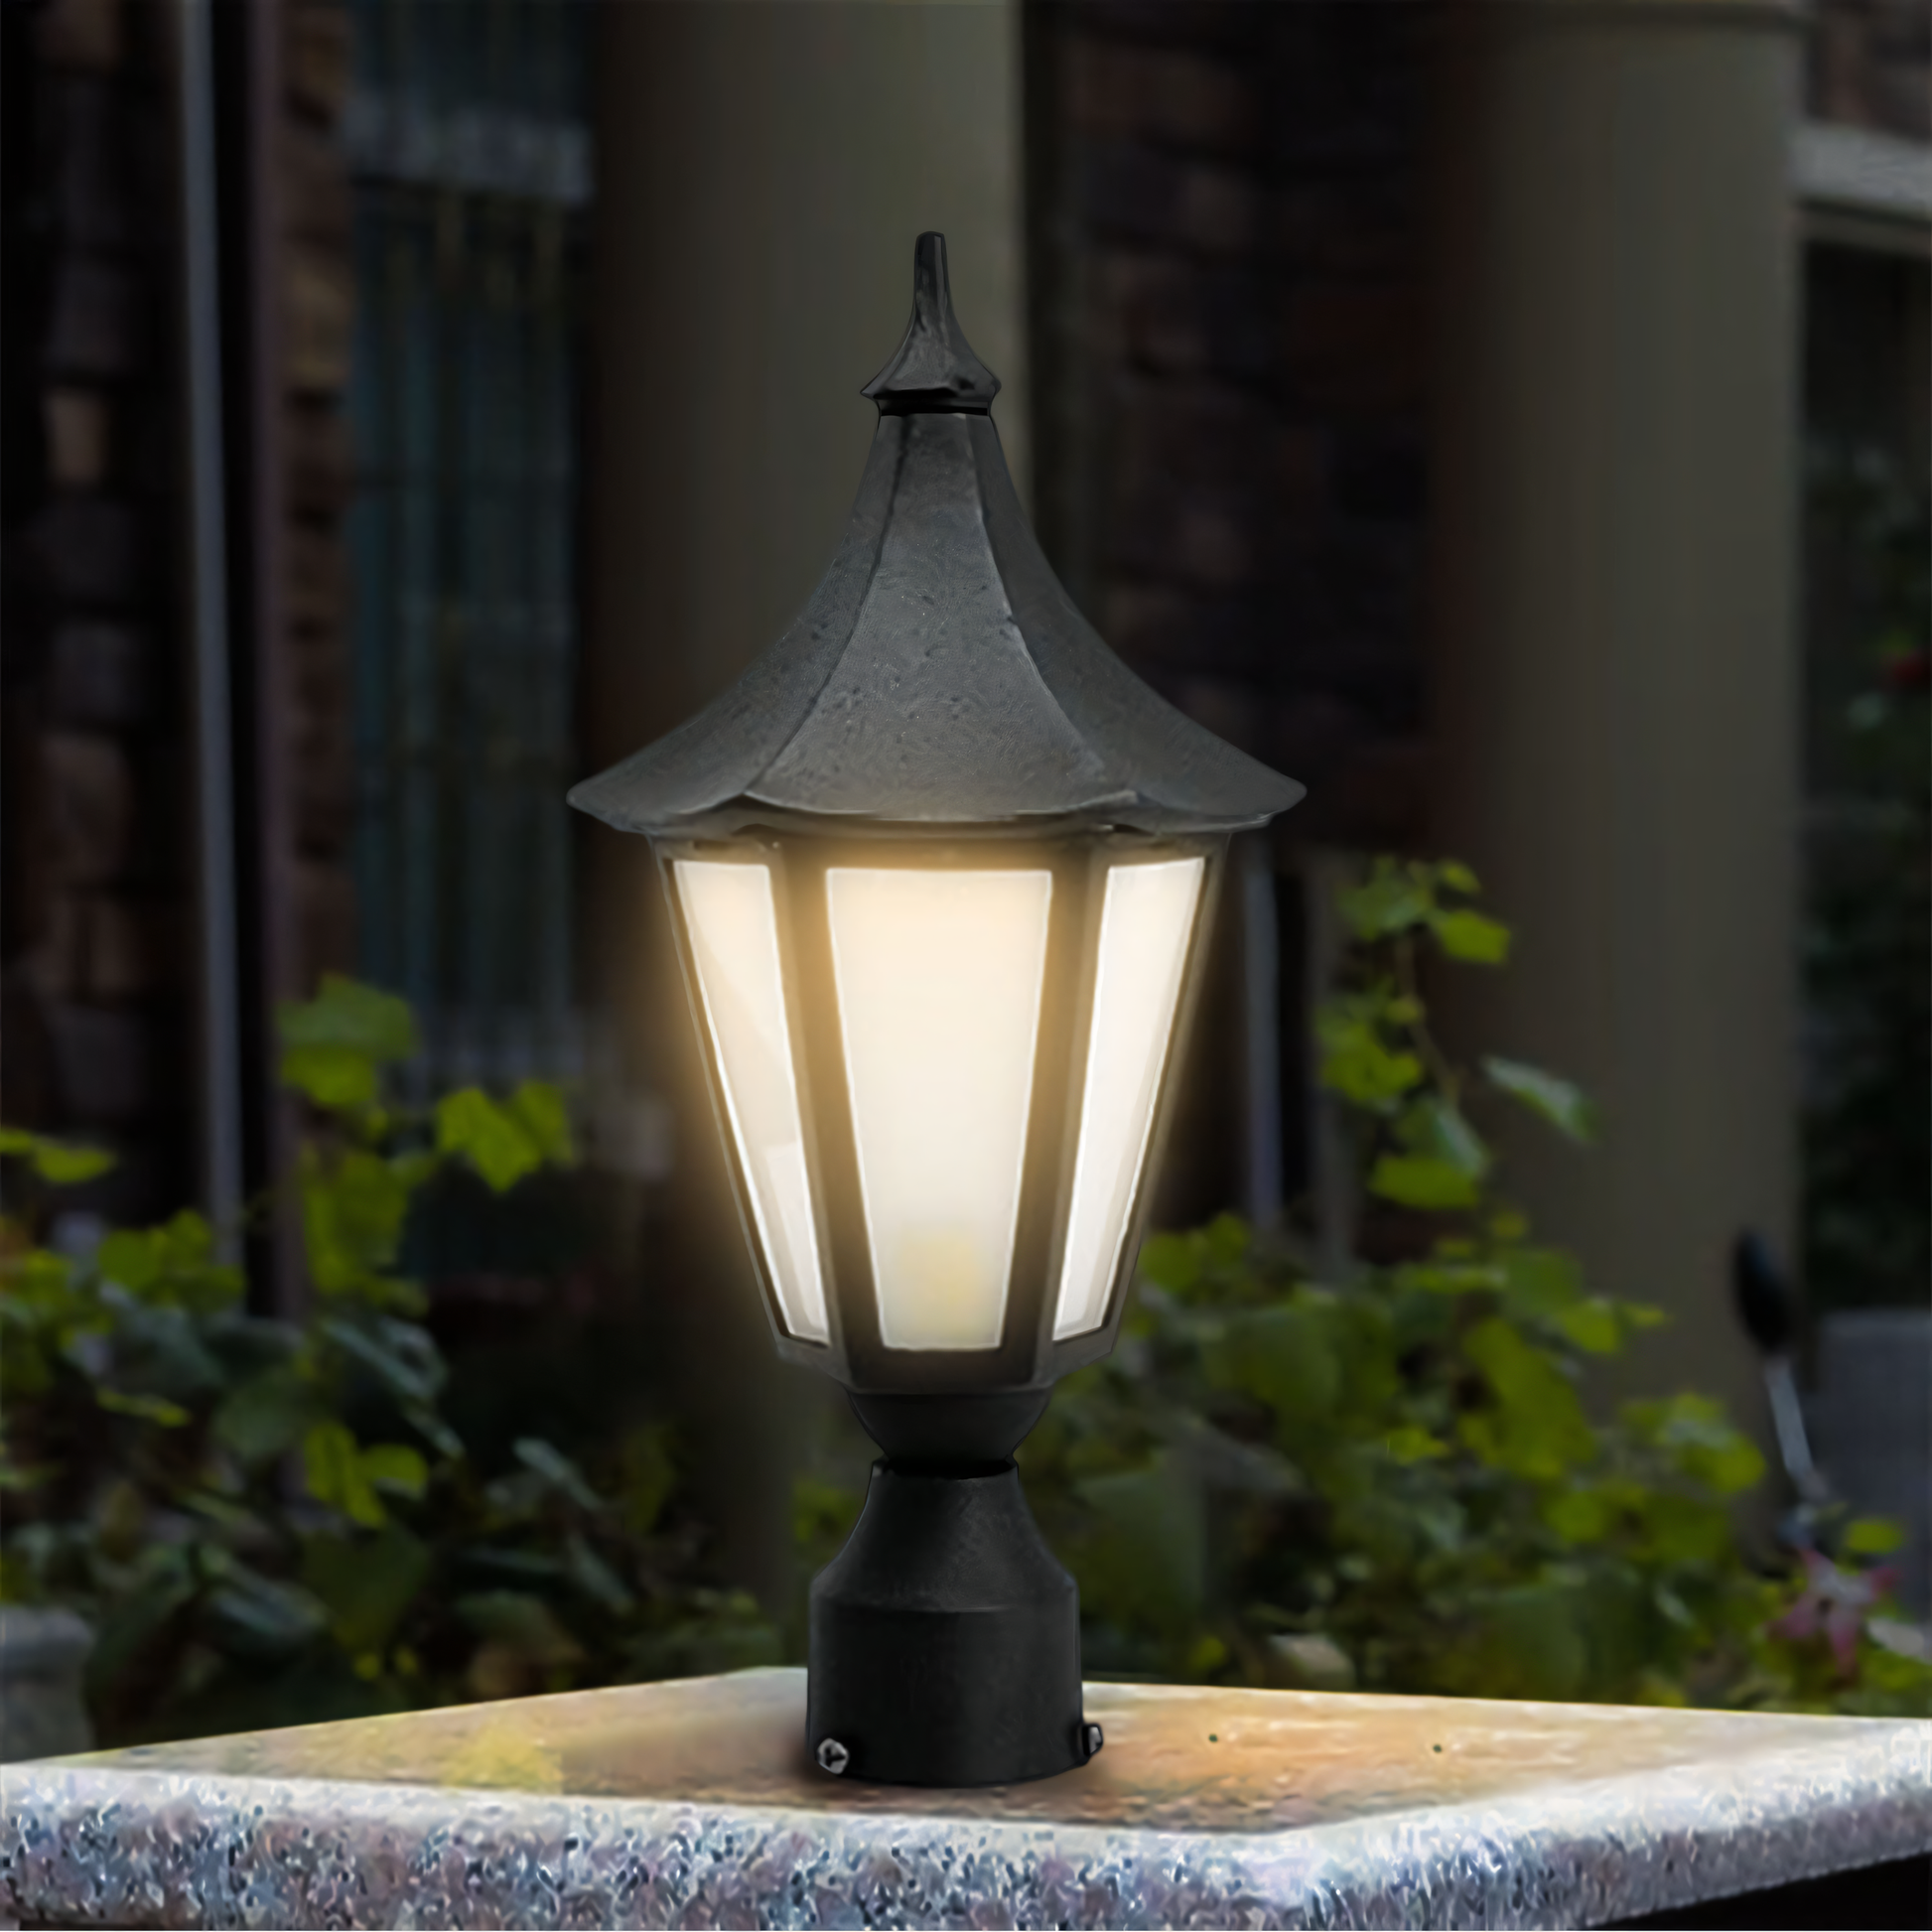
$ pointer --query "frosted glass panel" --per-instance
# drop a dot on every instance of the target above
(1145, 919)
(939, 977)
(733, 930)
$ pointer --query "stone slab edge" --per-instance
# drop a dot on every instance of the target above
(88, 1845)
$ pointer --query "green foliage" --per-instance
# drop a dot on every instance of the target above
(270, 1522)
(1393, 1480)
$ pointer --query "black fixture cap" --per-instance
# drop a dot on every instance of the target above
(935, 367)
(939, 676)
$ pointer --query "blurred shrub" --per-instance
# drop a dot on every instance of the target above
(1391, 1481)
(273, 1523)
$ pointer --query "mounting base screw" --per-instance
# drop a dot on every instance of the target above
(1092, 1737)
(833, 1756)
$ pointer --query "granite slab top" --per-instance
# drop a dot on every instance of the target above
(695, 1804)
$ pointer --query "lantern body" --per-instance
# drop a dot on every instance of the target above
(939, 867)
(943, 1069)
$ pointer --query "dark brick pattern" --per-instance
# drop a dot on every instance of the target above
(1870, 64)
(96, 888)
(316, 281)
(1229, 283)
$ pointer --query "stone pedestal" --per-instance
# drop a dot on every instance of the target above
(694, 1804)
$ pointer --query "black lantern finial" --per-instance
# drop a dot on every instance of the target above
(935, 367)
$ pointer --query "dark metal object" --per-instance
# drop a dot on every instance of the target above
(1767, 1307)
(945, 1639)
(940, 704)
(939, 675)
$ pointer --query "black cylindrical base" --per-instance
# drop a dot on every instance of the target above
(945, 1639)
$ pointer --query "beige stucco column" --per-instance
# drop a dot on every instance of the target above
(1615, 670)
(762, 169)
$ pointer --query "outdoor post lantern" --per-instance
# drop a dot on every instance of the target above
(940, 869)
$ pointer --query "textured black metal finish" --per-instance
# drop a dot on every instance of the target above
(939, 1428)
(939, 674)
(945, 1639)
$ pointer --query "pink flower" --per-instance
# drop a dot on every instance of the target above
(1834, 1605)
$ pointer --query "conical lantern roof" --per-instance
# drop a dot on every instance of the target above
(939, 675)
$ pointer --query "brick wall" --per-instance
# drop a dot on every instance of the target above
(1870, 64)
(97, 945)
(1228, 262)
(314, 269)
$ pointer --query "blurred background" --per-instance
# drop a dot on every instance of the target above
(1511, 419)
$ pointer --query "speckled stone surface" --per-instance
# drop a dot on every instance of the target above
(693, 1804)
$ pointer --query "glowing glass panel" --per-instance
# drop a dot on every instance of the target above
(1145, 921)
(734, 929)
(939, 977)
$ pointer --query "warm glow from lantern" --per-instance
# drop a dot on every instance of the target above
(1146, 921)
(733, 930)
(939, 977)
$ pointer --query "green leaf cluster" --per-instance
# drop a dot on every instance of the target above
(1393, 1480)
(271, 1522)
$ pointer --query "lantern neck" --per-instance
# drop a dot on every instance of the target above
(965, 1431)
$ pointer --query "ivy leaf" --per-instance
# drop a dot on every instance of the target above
(333, 1045)
(490, 1137)
(1592, 1325)
(1872, 1536)
(336, 1077)
(333, 1467)
(1434, 1127)
(539, 1109)
(1421, 1180)
(1538, 1428)
(1457, 877)
(1578, 1516)
(128, 1256)
(395, 1467)
(1471, 936)
(1393, 898)
(1356, 1061)
(1565, 1107)
(348, 1013)
(1409, 1444)
(352, 1214)
(57, 1161)
(1692, 1429)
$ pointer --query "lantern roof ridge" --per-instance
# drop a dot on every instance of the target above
(939, 676)
(935, 367)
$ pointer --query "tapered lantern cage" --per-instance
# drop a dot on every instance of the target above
(940, 869)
